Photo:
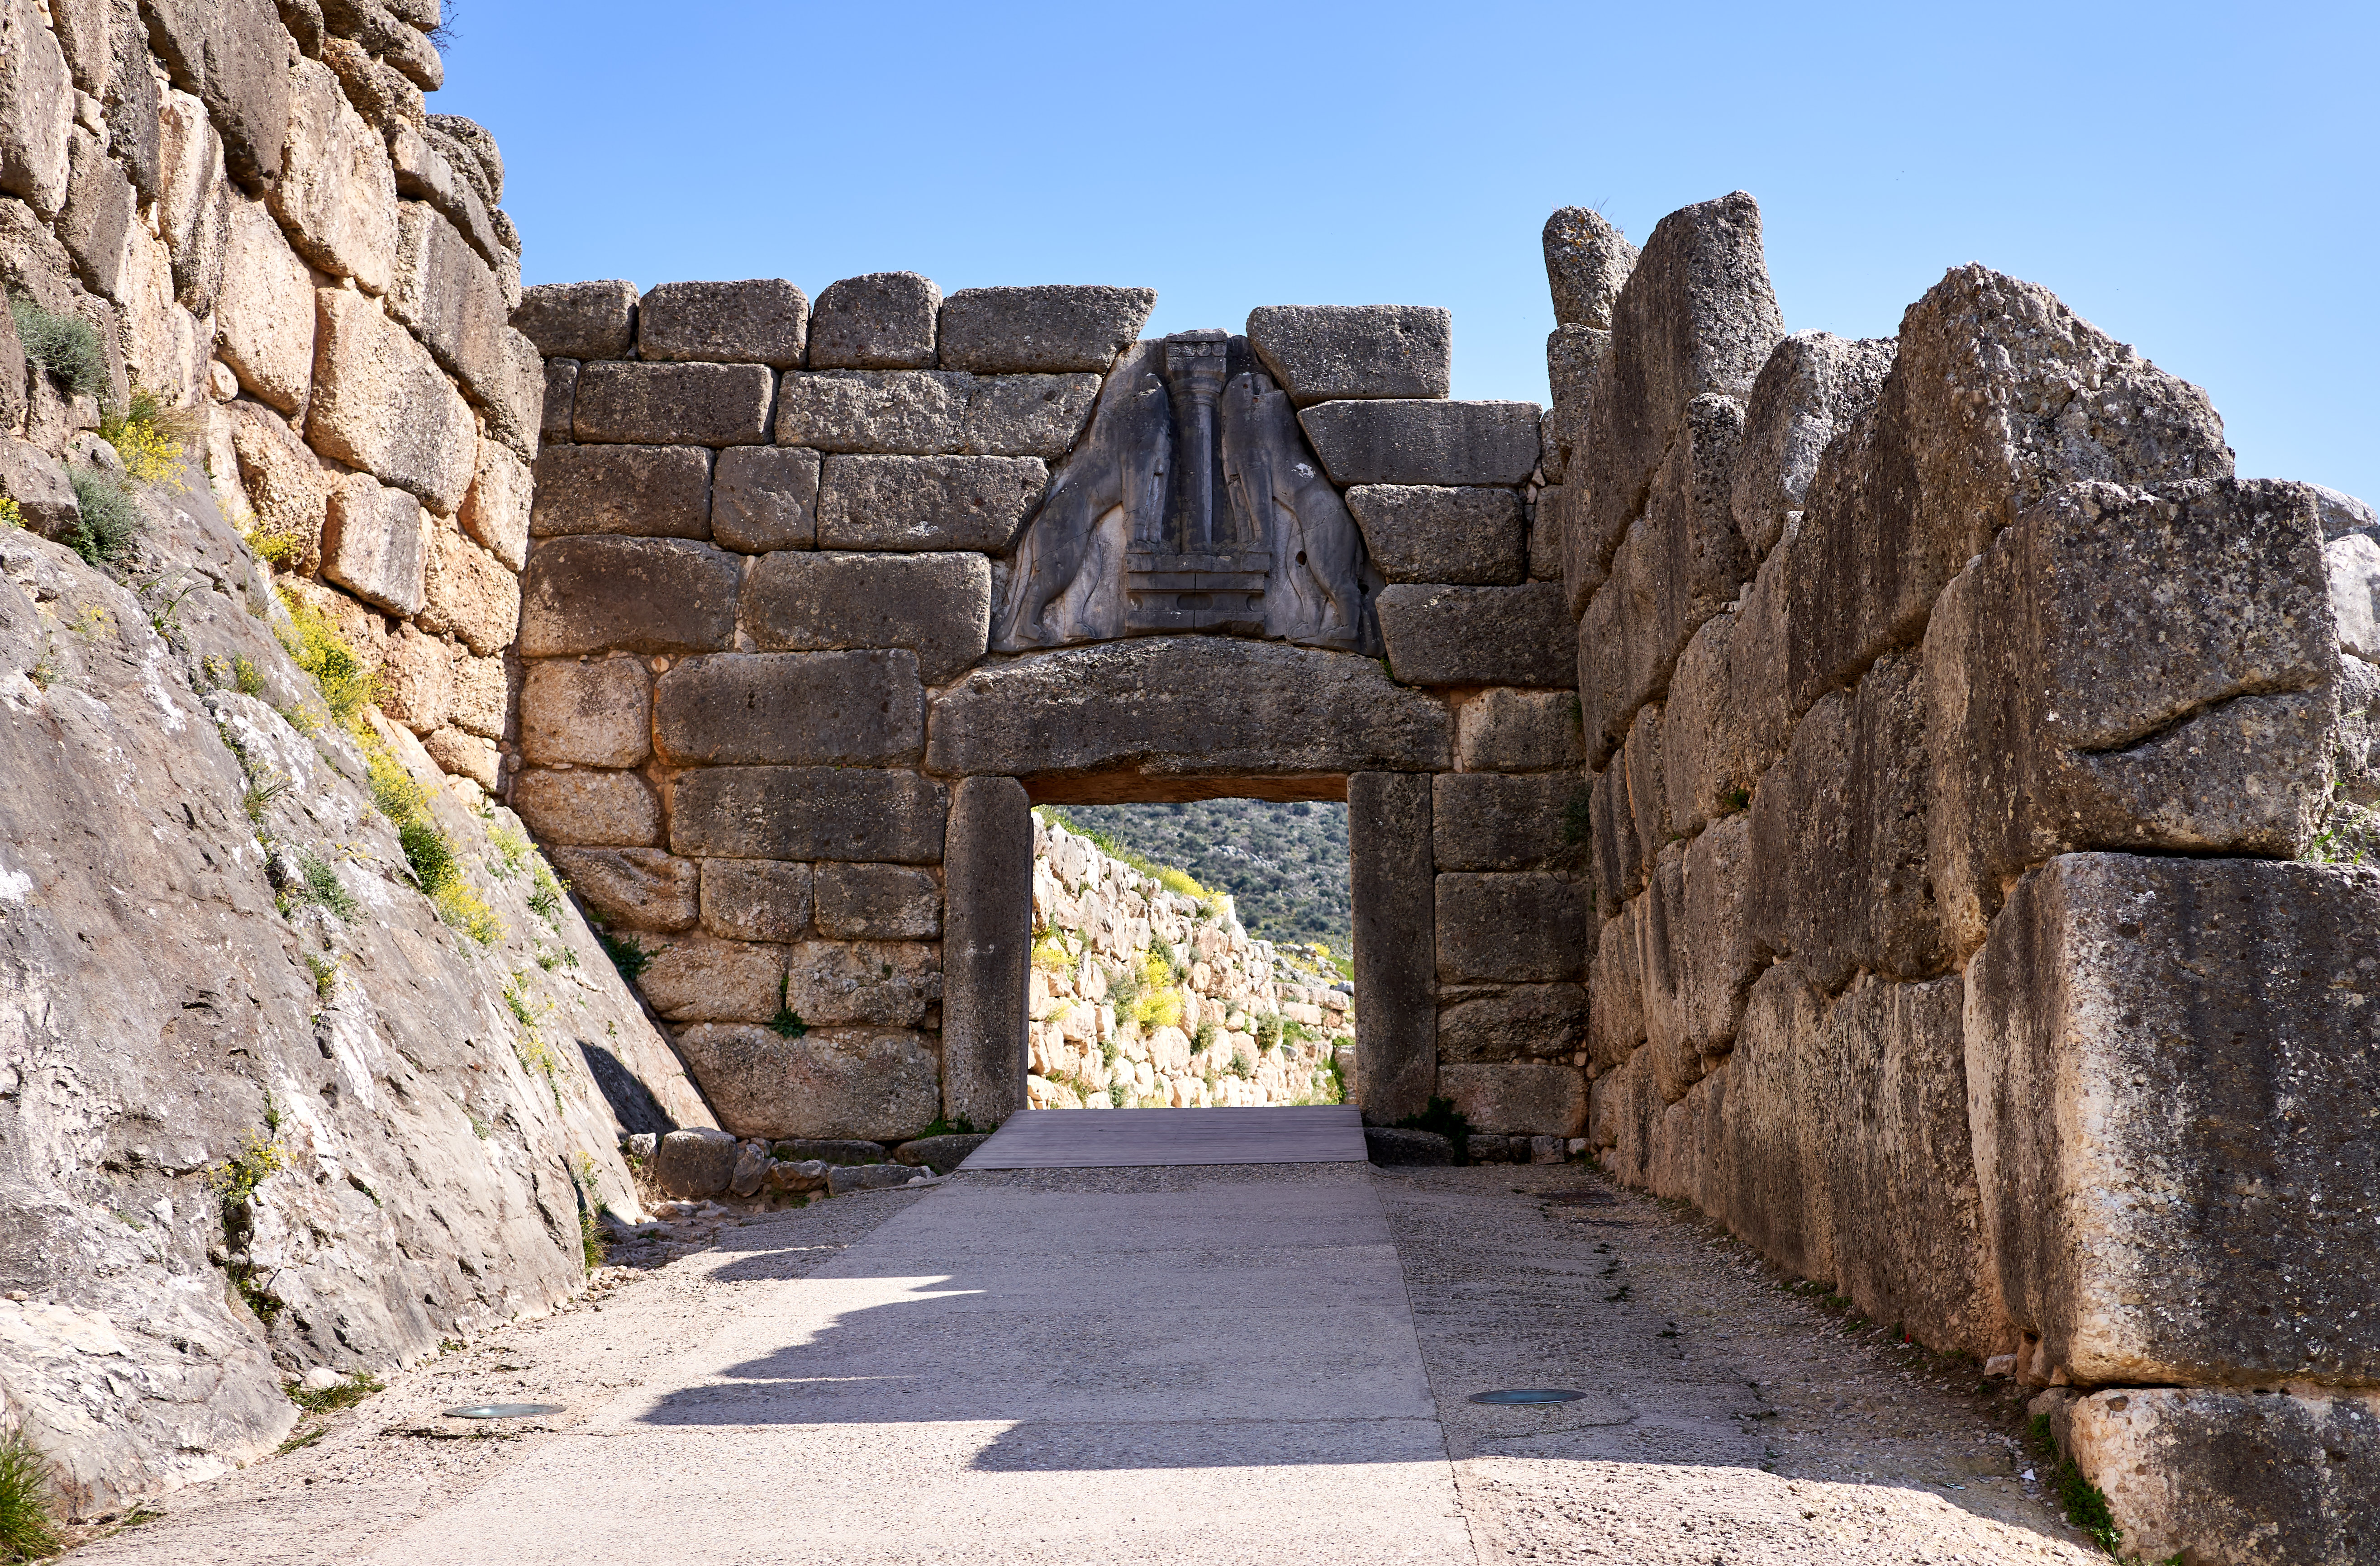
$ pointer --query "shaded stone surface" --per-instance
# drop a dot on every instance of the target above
(1321, 352)
(877, 1083)
(1490, 821)
(703, 405)
(809, 813)
(1522, 1098)
(649, 492)
(1527, 927)
(1813, 385)
(765, 498)
(987, 949)
(1504, 730)
(579, 319)
(927, 502)
(803, 709)
(1392, 442)
(1420, 533)
(1458, 636)
(1541, 1022)
(637, 595)
(1395, 940)
(1051, 328)
(939, 606)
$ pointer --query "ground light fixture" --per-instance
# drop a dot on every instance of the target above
(517, 1409)
(1526, 1396)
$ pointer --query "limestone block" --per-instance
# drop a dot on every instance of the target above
(382, 29)
(694, 1164)
(801, 709)
(843, 813)
(561, 399)
(336, 196)
(649, 492)
(940, 1154)
(1503, 730)
(1050, 329)
(878, 903)
(765, 498)
(375, 544)
(591, 715)
(1412, 441)
(2049, 730)
(1545, 540)
(759, 321)
(83, 36)
(468, 594)
(416, 679)
(431, 167)
(382, 404)
(1146, 708)
(2352, 562)
(939, 606)
(1697, 956)
(1620, 859)
(1395, 939)
(451, 298)
(931, 413)
(1772, 1182)
(846, 1082)
(98, 214)
(1708, 764)
(33, 478)
(1803, 905)
(698, 978)
(1510, 928)
(1525, 1022)
(756, 899)
(387, 99)
(496, 507)
(926, 503)
(482, 698)
(1587, 262)
(264, 313)
(707, 405)
(1615, 984)
(633, 888)
(1521, 1097)
(596, 810)
(1419, 533)
(1455, 636)
(1490, 822)
(635, 595)
(1321, 352)
(1578, 360)
(287, 489)
(1640, 764)
(881, 321)
(988, 871)
(886, 983)
(36, 108)
(2183, 1218)
(1813, 385)
(580, 321)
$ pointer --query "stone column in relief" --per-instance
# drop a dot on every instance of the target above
(987, 949)
(1395, 884)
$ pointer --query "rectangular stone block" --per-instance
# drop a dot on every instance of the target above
(881, 321)
(590, 714)
(1575, 358)
(1775, 1163)
(468, 594)
(2205, 1029)
(38, 97)
(934, 413)
(1503, 730)
(482, 702)
(799, 709)
(1514, 928)
(1490, 822)
(870, 1083)
(382, 404)
(765, 498)
(756, 899)
(1698, 956)
(878, 903)
(843, 813)
(649, 492)
(988, 875)
(1522, 1098)
(1398, 442)
(1050, 329)
(561, 399)
(496, 507)
(927, 502)
(594, 810)
(1420, 533)
(1618, 859)
(580, 321)
(1451, 636)
(633, 888)
(700, 979)
(702, 404)
(888, 983)
(1813, 385)
(262, 309)
(336, 196)
(452, 300)
(375, 544)
(632, 595)
(1319, 352)
(939, 606)
(1523, 1022)
(1395, 941)
(758, 320)
(1615, 986)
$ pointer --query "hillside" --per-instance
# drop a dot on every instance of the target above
(1285, 866)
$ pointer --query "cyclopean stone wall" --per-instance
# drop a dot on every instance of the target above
(818, 599)
(1969, 924)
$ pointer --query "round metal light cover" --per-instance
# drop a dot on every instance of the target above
(503, 1410)
(1526, 1395)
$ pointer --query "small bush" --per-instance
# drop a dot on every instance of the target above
(427, 850)
(11, 514)
(109, 524)
(626, 952)
(1440, 1116)
(153, 440)
(29, 1518)
(591, 1241)
(67, 347)
(513, 850)
(787, 1023)
(1239, 1066)
(545, 891)
(318, 883)
(343, 1394)
(325, 970)
(1204, 1040)
(316, 646)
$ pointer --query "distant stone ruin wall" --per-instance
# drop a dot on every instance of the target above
(1969, 931)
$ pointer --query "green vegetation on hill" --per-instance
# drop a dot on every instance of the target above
(1285, 866)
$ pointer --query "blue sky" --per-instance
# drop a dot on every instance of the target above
(2199, 180)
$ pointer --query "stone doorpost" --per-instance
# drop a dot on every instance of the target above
(987, 949)
(1392, 876)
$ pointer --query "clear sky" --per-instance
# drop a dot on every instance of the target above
(2197, 179)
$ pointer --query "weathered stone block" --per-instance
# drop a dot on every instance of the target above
(2183, 1218)
(1052, 328)
(1502, 730)
(929, 413)
(1419, 533)
(1707, 765)
(759, 321)
(859, 1082)
(988, 871)
(765, 498)
(651, 492)
(2049, 730)
(1576, 359)
(468, 594)
(1490, 822)
(98, 216)
(802, 709)
(481, 700)
(691, 1165)
(594, 714)
(1620, 859)
(1522, 1098)
(579, 319)
(1697, 954)
(1587, 262)
(176, 161)
(888, 983)
(1321, 352)
(1453, 636)
(1145, 709)
(561, 399)
(633, 888)
(2353, 564)
(416, 682)
(36, 109)
(636, 595)
(756, 899)
(454, 303)
(927, 502)
(496, 507)
(697, 978)
(809, 813)
(940, 1154)
(702, 404)
(1813, 385)
(336, 196)
(1773, 1172)
(1640, 764)
(596, 810)
(878, 903)
(382, 404)
(1615, 984)
(1395, 940)
(881, 321)
(1512, 928)
(939, 606)
(31, 477)
(1528, 1022)
(1398, 442)
(375, 544)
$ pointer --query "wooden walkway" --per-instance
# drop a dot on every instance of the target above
(1135, 1138)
